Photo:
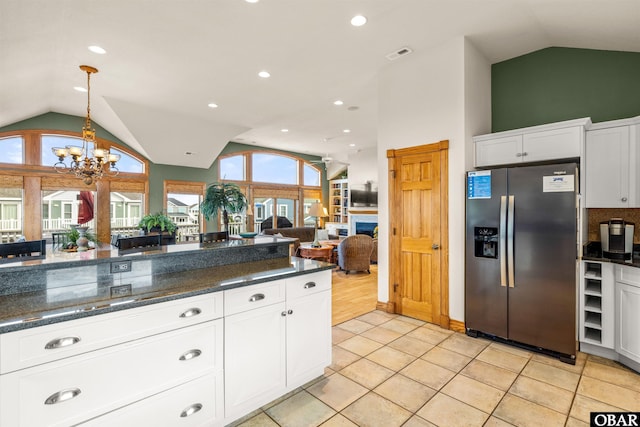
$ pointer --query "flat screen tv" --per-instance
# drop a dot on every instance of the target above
(363, 198)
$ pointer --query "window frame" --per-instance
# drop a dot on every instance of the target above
(33, 178)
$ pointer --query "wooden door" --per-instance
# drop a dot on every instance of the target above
(418, 265)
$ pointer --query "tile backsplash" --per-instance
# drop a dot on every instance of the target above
(598, 215)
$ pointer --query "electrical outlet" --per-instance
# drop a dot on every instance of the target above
(120, 291)
(120, 266)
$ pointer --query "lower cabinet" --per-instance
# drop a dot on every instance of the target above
(178, 363)
(196, 403)
(627, 340)
(76, 389)
(275, 348)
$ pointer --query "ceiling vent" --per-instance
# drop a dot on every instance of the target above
(398, 53)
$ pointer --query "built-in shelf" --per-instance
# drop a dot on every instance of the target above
(339, 201)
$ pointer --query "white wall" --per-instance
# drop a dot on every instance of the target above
(443, 93)
(362, 167)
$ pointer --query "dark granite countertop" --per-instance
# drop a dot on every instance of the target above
(46, 306)
(592, 251)
(108, 253)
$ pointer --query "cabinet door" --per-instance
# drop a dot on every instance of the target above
(308, 337)
(254, 353)
(552, 144)
(499, 151)
(627, 321)
(607, 168)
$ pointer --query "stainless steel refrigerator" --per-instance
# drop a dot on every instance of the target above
(521, 256)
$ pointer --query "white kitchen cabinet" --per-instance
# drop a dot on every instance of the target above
(308, 327)
(597, 306)
(627, 341)
(555, 141)
(29, 347)
(255, 358)
(612, 158)
(197, 403)
(275, 348)
(74, 389)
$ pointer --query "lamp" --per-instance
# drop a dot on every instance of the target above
(87, 168)
(316, 210)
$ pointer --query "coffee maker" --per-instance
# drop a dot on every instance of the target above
(616, 237)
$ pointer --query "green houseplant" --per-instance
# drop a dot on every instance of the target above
(224, 196)
(157, 222)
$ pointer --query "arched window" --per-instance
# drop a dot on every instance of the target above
(36, 201)
(12, 149)
(276, 185)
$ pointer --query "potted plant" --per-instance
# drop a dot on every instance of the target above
(157, 222)
(224, 196)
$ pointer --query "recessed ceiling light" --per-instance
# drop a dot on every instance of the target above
(352, 145)
(264, 74)
(346, 130)
(80, 89)
(284, 130)
(338, 102)
(252, 1)
(212, 105)
(97, 49)
(358, 21)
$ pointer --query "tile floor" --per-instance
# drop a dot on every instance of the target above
(391, 370)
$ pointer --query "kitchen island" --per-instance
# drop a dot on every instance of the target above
(203, 333)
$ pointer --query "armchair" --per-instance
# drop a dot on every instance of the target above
(354, 253)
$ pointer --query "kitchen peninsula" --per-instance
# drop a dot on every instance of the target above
(201, 333)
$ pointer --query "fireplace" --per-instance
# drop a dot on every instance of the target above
(366, 228)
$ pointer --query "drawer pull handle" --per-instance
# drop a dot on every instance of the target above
(61, 342)
(310, 285)
(61, 396)
(256, 297)
(191, 312)
(191, 410)
(191, 354)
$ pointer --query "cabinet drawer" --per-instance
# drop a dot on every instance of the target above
(30, 347)
(308, 284)
(95, 383)
(254, 296)
(196, 403)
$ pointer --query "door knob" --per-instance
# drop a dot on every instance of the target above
(624, 199)
(435, 246)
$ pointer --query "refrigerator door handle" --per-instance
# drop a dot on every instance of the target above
(510, 243)
(502, 242)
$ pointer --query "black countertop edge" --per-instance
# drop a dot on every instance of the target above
(35, 318)
(592, 251)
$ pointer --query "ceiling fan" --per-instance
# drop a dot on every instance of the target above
(327, 160)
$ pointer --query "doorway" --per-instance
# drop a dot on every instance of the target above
(418, 238)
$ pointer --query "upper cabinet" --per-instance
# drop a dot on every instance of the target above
(562, 140)
(612, 158)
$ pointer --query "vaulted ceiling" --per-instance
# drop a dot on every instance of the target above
(166, 60)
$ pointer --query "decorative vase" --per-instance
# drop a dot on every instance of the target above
(82, 242)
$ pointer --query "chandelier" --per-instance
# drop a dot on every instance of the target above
(87, 168)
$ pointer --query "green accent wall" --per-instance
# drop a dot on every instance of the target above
(556, 84)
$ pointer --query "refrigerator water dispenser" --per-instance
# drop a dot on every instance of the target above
(486, 242)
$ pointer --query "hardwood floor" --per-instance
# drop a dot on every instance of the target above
(353, 294)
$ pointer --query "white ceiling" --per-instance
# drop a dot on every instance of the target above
(167, 59)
